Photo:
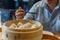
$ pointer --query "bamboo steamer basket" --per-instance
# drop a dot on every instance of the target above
(22, 34)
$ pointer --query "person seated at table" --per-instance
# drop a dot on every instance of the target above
(41, 12)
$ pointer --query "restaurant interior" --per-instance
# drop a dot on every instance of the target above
(8, 9)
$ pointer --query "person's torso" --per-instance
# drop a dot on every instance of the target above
(44, 15)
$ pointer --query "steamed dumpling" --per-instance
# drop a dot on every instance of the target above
(27, 25)
(13, 26)
(19, 24)
(34, 26)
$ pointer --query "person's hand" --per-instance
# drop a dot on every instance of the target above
(19, 13)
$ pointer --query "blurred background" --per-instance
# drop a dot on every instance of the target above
(8, 7)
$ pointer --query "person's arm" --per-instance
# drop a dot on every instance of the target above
(32, 12)
(29, 15)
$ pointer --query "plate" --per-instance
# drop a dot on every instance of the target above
(49, 36)
(48, 33)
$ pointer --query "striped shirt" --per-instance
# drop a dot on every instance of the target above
(40, 12)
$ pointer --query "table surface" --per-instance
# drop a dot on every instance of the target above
(56, 34)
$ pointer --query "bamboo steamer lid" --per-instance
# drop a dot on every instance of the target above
(19, 34)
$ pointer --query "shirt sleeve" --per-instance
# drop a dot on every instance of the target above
(57, 25)
(32, 12)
